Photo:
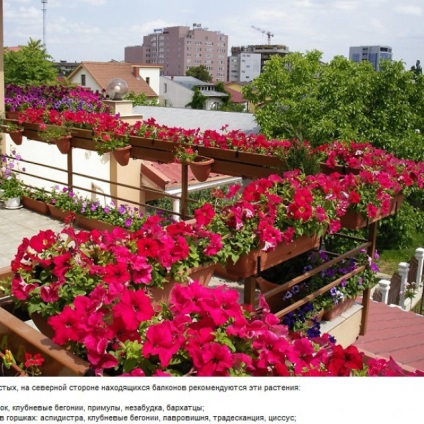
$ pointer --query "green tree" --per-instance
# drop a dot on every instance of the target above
(140, 99)
(198, 100)
(227, 104)
(31, 65)
(301, 97)
(200, 72)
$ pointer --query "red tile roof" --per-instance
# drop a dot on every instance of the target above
(236, 96)
(168, 175)
(394, 332)
(103, 72)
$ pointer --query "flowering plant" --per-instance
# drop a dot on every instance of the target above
(51, 269)
(369, 193)
(203, 332)
(350, 288)
(185, 154)
(10, 182)
(276, 209)
(54, 97)
(31, 363)
(52, 133)
(9, 126)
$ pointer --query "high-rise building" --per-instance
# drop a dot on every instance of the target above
(179, 48)
(247, 62)
(372, 54)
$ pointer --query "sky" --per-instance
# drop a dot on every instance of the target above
(99, 30)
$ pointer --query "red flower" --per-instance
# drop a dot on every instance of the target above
(116, 273)
(133, 308)
(163, 340)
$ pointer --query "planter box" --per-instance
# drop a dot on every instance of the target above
(93, 224)
(21, 336)
(338, 309)
(355, 220)
(35, 205)
(257, 260)
(341, 169)
(58, 213)
(202, 274)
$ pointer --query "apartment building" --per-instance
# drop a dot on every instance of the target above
(179, 48)
(247, 62)
(373, 54)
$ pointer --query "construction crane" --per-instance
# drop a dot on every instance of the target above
(268, 33)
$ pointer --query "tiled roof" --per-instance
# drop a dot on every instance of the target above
(236, 96)
(168, 175)
(393, 332)
(103, 72)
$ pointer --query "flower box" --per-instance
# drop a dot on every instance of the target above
(353, 220)
(35, 205)
(341, 169)
(202, 274)
(338, 309)
(257, 260)
(58, 213)
(20, 335)
(93, 224)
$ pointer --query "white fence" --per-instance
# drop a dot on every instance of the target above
(405, 289)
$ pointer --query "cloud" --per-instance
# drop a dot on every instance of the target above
(409, 10)
(95, 2)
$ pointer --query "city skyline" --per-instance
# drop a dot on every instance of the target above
(99, 30)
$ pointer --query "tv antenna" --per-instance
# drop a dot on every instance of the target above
(268, 33)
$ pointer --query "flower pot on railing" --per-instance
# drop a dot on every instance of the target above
(201, 167)
(16, 136)
(122, 155)
(64, 144)
(257, 260)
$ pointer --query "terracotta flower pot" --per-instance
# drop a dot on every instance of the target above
(16, 136)
(35, 205)
(201, 168)
(64, 144)
(258, 260)
(122, 155)
(202, 274)
(338, 309)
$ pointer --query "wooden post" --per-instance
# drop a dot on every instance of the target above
(372, 237)
(249, 290)
(70, 169)
(184, 191)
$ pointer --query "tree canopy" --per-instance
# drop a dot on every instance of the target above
(199, 72)
(30, 65)
(300, 96)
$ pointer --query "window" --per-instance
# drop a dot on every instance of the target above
(148, 80)
(165, 88)
(83, 82)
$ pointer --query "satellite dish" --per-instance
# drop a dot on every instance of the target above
(116, 89)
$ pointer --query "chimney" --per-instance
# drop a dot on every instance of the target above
(135, 71)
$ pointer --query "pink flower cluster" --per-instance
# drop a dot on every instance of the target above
(203, 332)
(51, 269)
